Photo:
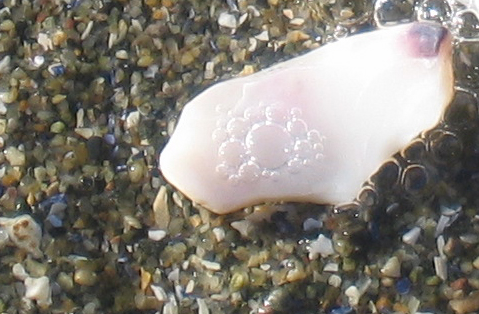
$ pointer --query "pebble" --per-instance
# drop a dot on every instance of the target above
(85, 277)
(156, 235)
(39, 289)
(24, 233)
(15, 156)
(392, 268)
(468, 304)
(322, 246)
(227, 20)
(411, 236)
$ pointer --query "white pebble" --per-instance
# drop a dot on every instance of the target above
(171, 307)
(440, 266)
(24, 233)
(211, 265)
(159, 293)
(156, 235)
(411, 236)
(392, 268)
(242, 226)
(263, 36)
(331, 267)
(19, 272)
(132, 120)
(335, 281)
(219, 234)
(227, 20)
(322, 246)
(38, 289)
(202, 307)
(353, 295)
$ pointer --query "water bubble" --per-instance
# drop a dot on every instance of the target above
(314, 136)
(219, 135)
(294, 165)
(346, 12)
(295, 112)
(297, 127)
(254, 113)
(275, 114)
(392, 12)
(223, 171)
(433, 10)
(302, 148)
(269, 145)
(249, 171)
(232, 153)
(414, 179)
(237, 127)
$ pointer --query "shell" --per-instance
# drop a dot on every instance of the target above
(312, 128)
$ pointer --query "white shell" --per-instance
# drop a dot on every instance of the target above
(313, 128)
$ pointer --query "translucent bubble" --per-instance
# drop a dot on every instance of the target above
(237, 127)
(219, 135)
(232, 153)
(295, 112)
(391, 12)
(249, 171)
(303, 148)
(221, 108)
(272, 175)
(414, 178)
(269, 145)
(275, 114)
(314, 136)
(433, 10)
(445, 146)
(346, 12)
(223, 171)
(295, 165)
(254, 113)
(297, 127)
(387, 175)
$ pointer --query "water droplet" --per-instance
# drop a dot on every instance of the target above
(237, 127)
(219, 135)
(391, 12)
(302, 148)
(223, 171)
(297, 127)
(275, 114)
(232, 153)
(249, 171)
(269, 145)
(254, 113)
(294, 165)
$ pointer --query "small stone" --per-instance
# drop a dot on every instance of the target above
(263, 36)
(466, 305)
(7, 26)
(209, 70)
(353, 294)
(132, 120)
(57, 127)
(156, 235)
(39, 289)
(24, 233)
(288, 13)
(58, 99)
(297, 21)
(15, 156)
(335, 281)
(85, 277)
(440, 265)
(392, 268)
(411, 236)
(159, 293)
(202, 307)
(19, 272)
(219, 234)
(160, 209)
(322, 246)
(227, 20)
(211, 265)
(121, 54)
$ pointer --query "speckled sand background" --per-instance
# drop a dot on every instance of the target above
(90, 92)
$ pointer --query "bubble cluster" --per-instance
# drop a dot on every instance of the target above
(264, 141)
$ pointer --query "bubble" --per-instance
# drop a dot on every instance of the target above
(414, 178)
(387, 175)
(232, 153)
(433, 10)
(237, 127)
(415, 151)
(221, 108)
(297, 127)
(314, 136)
(303, 148)
(254, 113)
(275, 114)
(219, 135)
(391, 12)
(223, 171)
(295, 165)
(445, 146)
(249, 171)
(295, 112)
(271, 174)
(269, 145)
